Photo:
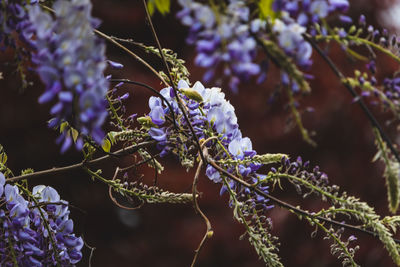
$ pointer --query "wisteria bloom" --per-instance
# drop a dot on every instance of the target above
(210, 115)
(226, 42)
(310, 11)
(290, 39)
(36, 232)
(70, 61)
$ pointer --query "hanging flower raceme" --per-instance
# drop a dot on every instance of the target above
(223, 40)
(70, 61)
(214, 121)
(227, 37)
(36, 230)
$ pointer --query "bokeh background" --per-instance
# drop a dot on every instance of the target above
(167, 235)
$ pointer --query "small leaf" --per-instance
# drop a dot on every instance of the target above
(106, 145)
(111, 136)
(63, 126)
(163, 6)
(74, 133)
(266, 9)
(3, 158)
(150, 7)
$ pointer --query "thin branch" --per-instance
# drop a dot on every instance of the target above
(108, 38)
(152, 90)
(114, 200)
(289, 206)
(209, 231)
(130, 149)
(92, 249)
(351, 90)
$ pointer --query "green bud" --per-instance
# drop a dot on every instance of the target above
(146, 122)
(192, 94)
(269, 158)
(352, 29)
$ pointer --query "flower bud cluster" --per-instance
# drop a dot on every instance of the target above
(70, 61)
(313, 175)
(37, 231)
(391, 89)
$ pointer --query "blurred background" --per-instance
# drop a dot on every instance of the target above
(167, 235)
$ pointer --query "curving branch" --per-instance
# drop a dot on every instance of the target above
(351, 90)
(288, 206)
(172, 82)
(124, 151)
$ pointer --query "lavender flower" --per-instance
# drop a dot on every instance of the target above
(211, 115)
(36, 232)
(70, 61)
(14, 18)
(225, 42)
(290, 39)
(310, 11)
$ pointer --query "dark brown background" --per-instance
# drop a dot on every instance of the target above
(166, 235)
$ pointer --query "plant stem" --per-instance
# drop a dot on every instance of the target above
(351, 90)
(53, 171)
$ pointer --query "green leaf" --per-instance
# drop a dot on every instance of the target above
(3, 158)
(266, 9)
(74, 134)
(162, 6)
(150, 7)
(63, 126)
(106, 145)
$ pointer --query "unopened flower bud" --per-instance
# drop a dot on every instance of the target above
(192, 94)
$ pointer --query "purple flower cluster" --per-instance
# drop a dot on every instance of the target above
(295, 19)
(391, 89)
(14, 18)
(70, 61)
(290, 39)
(37, 232)
(224, 35)
(308, 12)
(223, 40)
(212, 116)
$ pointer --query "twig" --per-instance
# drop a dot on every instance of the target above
(289, 206)
(130, 149)
(92, 249)
(351, 90)
(114, 200)
(209, 231)
(154, 91)
(108, 38)
(172, 82)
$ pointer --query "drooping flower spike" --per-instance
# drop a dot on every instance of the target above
(70, 61)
